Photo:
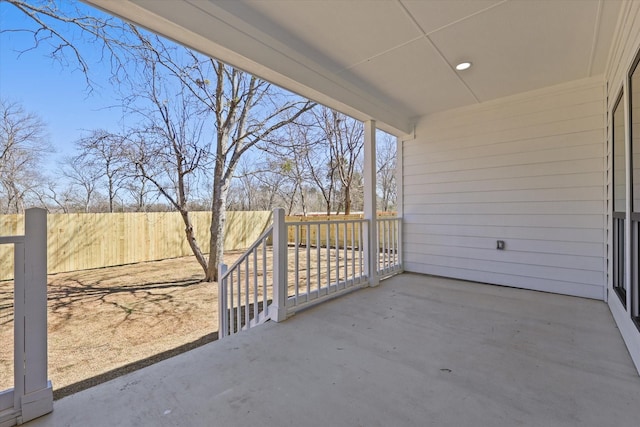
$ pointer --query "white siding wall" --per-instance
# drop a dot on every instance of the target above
(529, 170)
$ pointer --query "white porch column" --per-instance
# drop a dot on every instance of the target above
(370, 206)
(37, 397)
(280, 274)
(399, 177)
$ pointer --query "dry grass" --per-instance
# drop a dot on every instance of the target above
(106, 322)
(104, 319)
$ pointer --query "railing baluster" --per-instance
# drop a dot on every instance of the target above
(308, 230)
(296, 269)
(390, 247)
(239, 302)
(360, 250)
(353, 254)
(255, 284)
(385, 247)
(395, 244)
(337, 256)
(385, 243)
(390, 244)
(380, 248)
(265, 297)
(318, 256)
(328, 256)
(399, 223)
(247, 311)
(232, 318)
(344, 251)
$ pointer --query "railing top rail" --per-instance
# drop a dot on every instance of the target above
(248, 251)
(333, 221)
(4, 240)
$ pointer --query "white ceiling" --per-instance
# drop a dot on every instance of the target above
(392, 60)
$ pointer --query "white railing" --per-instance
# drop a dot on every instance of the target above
(326, 259)
(32, 394)
(244, 291)
(294, 265)
(390, 246)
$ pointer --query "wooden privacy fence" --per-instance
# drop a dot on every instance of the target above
(94, 240)
(320, 232)
(84, 241)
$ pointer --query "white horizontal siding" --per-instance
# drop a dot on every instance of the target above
(521, 232)
(551, 168)
(529, 170)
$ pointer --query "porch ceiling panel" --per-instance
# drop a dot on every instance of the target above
(392, 60)
(336, 33)
(532, 44)
(425, 82)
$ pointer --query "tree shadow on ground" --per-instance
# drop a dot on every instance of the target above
(134, 366)
(74, 292)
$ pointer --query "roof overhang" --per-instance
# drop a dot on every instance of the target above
(392, 61)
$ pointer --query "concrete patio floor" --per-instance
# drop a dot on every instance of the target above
(416, 351)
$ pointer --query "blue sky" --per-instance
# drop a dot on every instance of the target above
(57, 94)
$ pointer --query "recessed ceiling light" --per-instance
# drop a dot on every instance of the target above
(463, 66)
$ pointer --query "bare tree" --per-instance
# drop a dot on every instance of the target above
(141, 192)
(248, 190)
(83, 182)
(61, 27)
(289, 154)
(22, 144)
(105, 154)
(171, 149)
(53, 197)
(242, 111)
(345, 138)
(386, 172)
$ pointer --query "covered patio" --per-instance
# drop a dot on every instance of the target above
(415, 351)
(517, 173)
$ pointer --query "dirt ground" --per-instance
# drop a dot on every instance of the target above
(107, 321)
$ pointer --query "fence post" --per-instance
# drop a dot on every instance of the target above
(280, 273)
(38, 393)
(223, 315)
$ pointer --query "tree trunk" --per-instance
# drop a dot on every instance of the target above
(347, 201)
(110, 195)
(303, 201)
(218, 219)
(191, 239)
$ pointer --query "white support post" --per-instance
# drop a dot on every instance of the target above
(400, 194)
(370, 205)
(37, 399)
(18, 328)
(399, 177)
(223, 315)
(278, 309)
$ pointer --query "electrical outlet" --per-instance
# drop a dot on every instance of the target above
(500, 245)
